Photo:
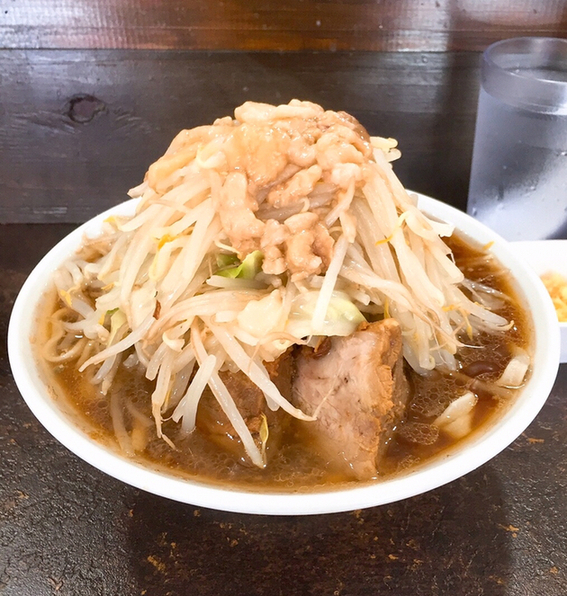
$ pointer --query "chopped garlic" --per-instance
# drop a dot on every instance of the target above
(556, 285)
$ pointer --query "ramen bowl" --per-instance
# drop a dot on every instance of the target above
(456, 461)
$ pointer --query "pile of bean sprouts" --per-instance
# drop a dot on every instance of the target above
(152, 290)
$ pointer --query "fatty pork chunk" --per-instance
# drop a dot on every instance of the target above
(357, 388)
(250, 401)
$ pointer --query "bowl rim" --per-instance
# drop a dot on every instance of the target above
(443, 469)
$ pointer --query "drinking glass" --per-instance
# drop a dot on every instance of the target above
(518, 183)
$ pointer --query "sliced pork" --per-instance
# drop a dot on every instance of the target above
(251, 403)
(357, 389)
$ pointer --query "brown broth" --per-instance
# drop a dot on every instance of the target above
(294, 466)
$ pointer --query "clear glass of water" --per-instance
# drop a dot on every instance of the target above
(518, 182)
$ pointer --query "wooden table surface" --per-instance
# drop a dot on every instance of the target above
(68, 529)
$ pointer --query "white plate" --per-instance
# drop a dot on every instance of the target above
(454, 463)
(544, 256)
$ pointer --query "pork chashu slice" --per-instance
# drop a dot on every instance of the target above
(251, 403)
(358, 391)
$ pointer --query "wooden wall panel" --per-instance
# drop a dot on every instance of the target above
(78, 128)
(91, 91)
(376, 25)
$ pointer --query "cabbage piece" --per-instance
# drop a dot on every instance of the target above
(248, 269)
(457, 419)
(259, 317)
(516, 369)
(225, 261)
(117, 319)
(342, 316)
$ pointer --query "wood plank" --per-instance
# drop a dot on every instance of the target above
(78, 128)
(417, 25)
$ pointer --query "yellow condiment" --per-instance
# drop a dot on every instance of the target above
(556, 285)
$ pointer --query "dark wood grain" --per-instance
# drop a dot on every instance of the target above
(78, 128)
(67, 529)
(418, 25)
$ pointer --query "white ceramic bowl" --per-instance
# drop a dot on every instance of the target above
(452, 464)
(545, 256)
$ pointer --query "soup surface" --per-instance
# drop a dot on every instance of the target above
(293, 464)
